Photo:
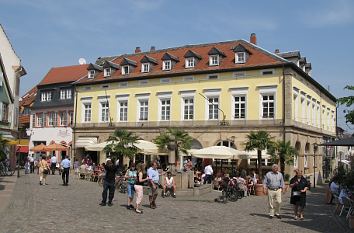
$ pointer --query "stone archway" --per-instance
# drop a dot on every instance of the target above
(227, 143)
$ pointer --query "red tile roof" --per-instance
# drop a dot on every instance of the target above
(64, 74)
(28, 98)
(258, 57)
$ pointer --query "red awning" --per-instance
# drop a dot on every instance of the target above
(22, 149)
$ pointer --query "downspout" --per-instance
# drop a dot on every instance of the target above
(74, 129)
(282, 161)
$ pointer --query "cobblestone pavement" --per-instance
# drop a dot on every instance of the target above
(74, 208)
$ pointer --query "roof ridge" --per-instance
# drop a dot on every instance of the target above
(55, 67)
(167, 49)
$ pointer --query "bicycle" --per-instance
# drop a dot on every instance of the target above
(6, 169)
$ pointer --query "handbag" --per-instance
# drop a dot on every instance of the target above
(296, 193)
(46, 171)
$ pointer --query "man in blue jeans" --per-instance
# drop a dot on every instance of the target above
(109, 183)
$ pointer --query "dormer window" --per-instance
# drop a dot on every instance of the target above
(214, 56)
(166, 65)
(46, 96)
(125, 70)
(168, 61)
(240, 57)
(107, 72)
(214, 60)
(127, 66)
(241, 54)
(145, 67)
(91, 74)
(190, 62)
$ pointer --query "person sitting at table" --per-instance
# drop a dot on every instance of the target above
(241, 183)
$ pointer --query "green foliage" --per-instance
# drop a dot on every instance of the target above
(259, 141)
(348, 101)
(286, 177)
(174, 137)
(283, 151)
(3, 144)
(122, 143)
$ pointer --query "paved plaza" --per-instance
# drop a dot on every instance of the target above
(74, 208)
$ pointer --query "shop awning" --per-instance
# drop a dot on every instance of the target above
(219, 152)
(22, 149)
(82, 142)
(147, 147)
(254, 154)
(97, 146)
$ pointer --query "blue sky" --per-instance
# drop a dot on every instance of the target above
(47, 33)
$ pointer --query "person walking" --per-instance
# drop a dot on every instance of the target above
(131, 176)
(65, 164)
(208, 171)
(53, 164)
(108, 183)
(31, 161)
(154, 179)
(299, 185)
(273, 186)
(43, 170)
(141, 178)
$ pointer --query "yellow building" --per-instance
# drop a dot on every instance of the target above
(217, 92)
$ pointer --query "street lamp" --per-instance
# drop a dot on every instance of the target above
(315, 147)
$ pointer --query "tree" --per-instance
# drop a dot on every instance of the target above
(174, 140)
(348, 101)
(3, 144)
(259, 141)
(121, 143)
(284, 152)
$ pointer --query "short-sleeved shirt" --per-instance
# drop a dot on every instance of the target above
(65, 163)
(153, 174)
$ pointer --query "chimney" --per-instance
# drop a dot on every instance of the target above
(152, 49)
(276, 51)
(253, 38)
(137, 50)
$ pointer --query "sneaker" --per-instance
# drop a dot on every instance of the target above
(174, 195)
(110, 204)
(129, 207)
(138, 211)
(271, 216)
(132, 207)
(296, 217)
(102, 204)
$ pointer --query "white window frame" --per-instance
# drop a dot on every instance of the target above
(267, 91)
(62, 94)
(124, 72)
(187, 94)
(61, 114)
(86, 112)
(190, 62)
(39, 119)
(240, 57)
(91, 74)
(107, 72)
(238, 92)
(145, 67)
(295, 105)
(68, 94)
(140, 101)
(52, 119)
(101, 108)
(214, 60)
(122, 99)
(46, 96)
(167, 65)
(209, 94)
(167, 110)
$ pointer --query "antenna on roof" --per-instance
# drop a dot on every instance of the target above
(82, 61)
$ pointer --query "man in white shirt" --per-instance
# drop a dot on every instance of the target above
(53, 164)
(31, 161)
(169, 184)
(208, 171)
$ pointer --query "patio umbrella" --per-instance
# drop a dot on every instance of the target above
(55, 147)
(39, 148)
(97, 147)
(147, 147)
(219, 152)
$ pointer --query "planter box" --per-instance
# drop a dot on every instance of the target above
(259, 190)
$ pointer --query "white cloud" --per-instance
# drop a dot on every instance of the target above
(336, 13)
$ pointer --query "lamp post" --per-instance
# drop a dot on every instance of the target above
(315, 146)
